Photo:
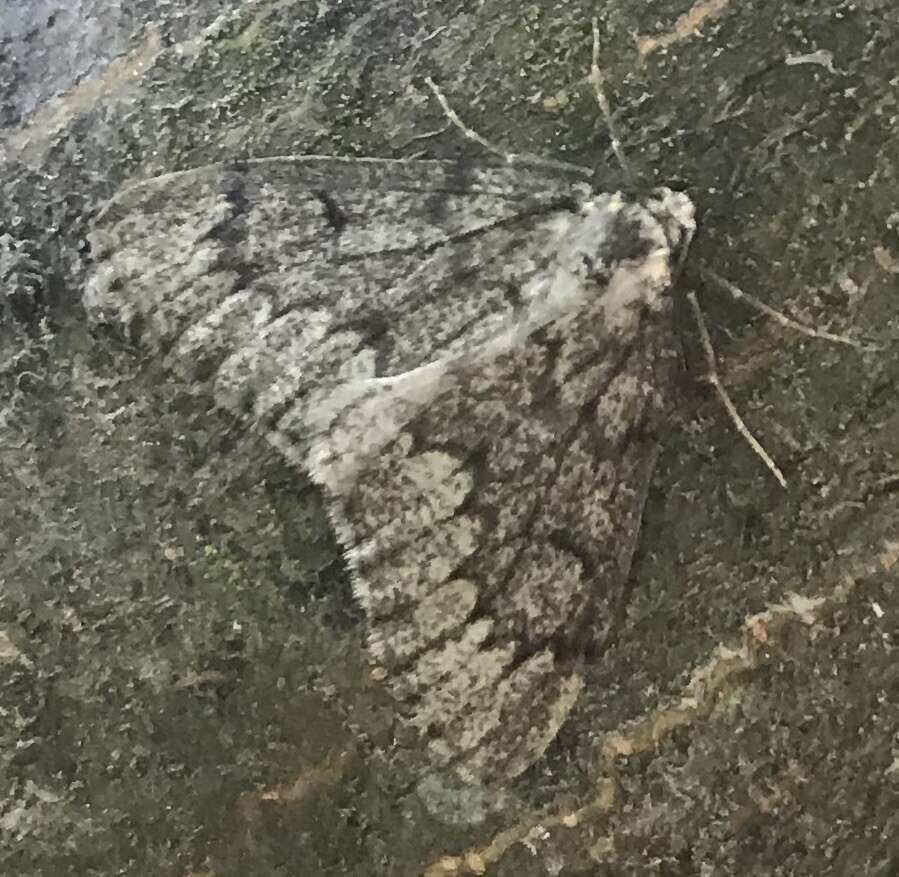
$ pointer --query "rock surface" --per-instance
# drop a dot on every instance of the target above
(181, 675)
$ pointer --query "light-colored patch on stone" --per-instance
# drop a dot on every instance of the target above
(687, 25)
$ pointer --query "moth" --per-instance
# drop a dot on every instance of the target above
(475, 364)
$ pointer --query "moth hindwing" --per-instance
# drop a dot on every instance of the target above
(474, 364)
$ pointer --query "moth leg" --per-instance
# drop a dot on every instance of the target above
(738, 295)
(711, 378)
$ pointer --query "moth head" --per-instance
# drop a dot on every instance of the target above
(675, 212)
(614, 232)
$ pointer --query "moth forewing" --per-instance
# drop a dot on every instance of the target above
(505, 485)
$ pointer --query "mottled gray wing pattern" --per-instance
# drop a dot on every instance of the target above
(472, 362)
(267, 274)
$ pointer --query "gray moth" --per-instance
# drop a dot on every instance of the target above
(475, 364)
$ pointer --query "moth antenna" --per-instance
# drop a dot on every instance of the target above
(711, 378)
(470, 133)
(738, 295)
(597, 80)
(509, 157)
